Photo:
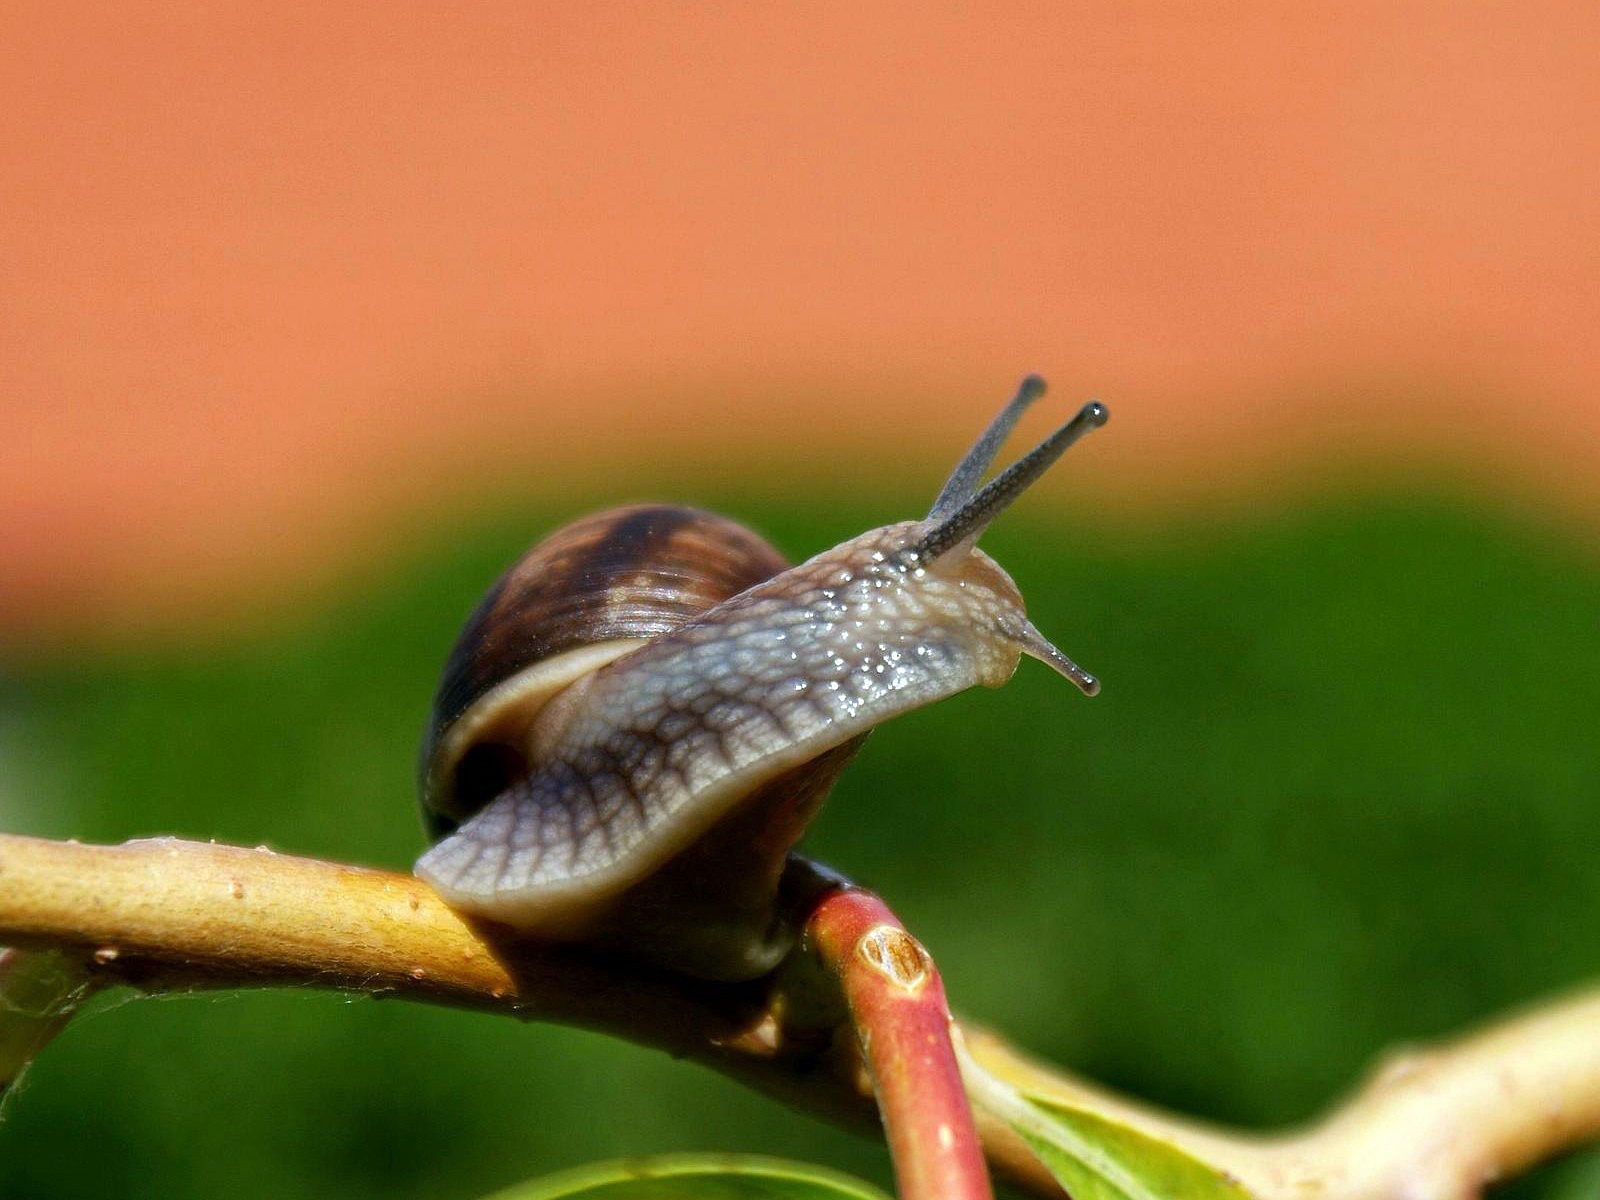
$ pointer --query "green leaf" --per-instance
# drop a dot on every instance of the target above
(1097, 1159)
(695, 1177)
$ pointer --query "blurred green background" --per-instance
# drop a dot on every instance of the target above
(1338, 794)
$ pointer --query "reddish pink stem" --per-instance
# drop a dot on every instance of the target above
(902, 1020)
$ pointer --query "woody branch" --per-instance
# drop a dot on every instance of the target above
(167, 915)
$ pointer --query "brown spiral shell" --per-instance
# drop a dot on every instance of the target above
(587, 594)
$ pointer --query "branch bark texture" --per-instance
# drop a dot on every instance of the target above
(165, 915)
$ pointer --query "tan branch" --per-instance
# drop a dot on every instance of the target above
(165, 914)
(170, 915)
(1431, 1124)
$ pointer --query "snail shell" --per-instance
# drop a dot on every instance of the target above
(586, 595)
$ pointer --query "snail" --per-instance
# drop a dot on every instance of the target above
(645, 712)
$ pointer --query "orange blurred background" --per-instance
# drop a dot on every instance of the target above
(273, 280)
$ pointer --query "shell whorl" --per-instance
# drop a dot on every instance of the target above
(584, 595)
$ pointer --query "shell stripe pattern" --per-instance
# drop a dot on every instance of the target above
(626, 573)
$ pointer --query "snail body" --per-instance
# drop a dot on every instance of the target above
(643, 716)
